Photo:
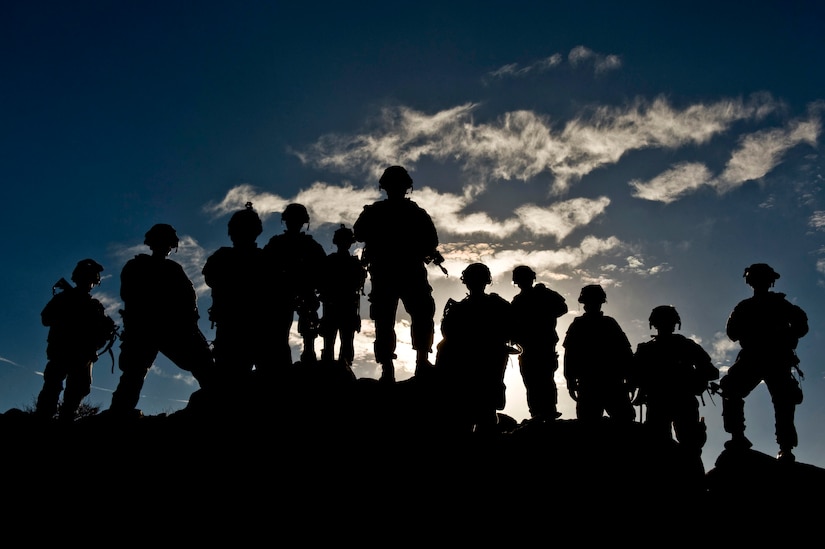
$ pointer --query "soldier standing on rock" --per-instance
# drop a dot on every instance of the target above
(671, 371)
(78, 327)
(340, 287)
(597, 361)
(767, 327)
(295, 260)
(473, 355)
(239, 312)
(536, 309)
(400, 240)
(160, 315)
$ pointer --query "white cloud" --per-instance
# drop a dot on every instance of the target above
(722, 348)
(758, 153)
(561, 218)
(817, 220)
(601, 62)
(521, 145)
(513, 70)
(761, 152)
(673, 184)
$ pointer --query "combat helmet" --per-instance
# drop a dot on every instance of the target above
(664, 315)
(87, 270)
(476, 272)
(161, 234)
(760, 272)
(395, 177)
(343, 236)
(592, 293)
(245, 224)
(295, 212)
(523, 273)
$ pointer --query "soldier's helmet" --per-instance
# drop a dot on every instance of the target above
(343, 236)
(87, 270)
(395, 177)
(161, 234)
(295, 212)
(592, 293)
(664, 315)
(476, 272)
(760, 272)
(523, 273)
(245, 224)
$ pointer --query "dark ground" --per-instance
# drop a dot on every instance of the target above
(332, 457)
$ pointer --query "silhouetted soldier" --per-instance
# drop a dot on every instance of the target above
(160, 315)
(400, 239)
(536, 309)
(473, 354)
(671, 372)
(597, 361)
(296, 258)
(240, 301)
(767, 327)
(340, 289)
(78, 328)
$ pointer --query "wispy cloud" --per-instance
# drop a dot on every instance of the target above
(520, 145)
(7, 361)
(667, 187)
(817, 220)
(580, 56)
(757, 154)
(514, 70)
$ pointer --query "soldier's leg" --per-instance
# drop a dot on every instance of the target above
(78, 387)
(690, 429)
(539, 385)
(47, 399)
(588, 406)
(328, 330)
(190, 351)
(736, 384)
(785, 395)
(281, 321)
(136, 357)
(347, 351)
(420, 305)
(383, 308)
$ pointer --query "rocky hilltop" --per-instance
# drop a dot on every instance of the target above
(326, 445)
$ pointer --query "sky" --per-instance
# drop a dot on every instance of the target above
(654, 148)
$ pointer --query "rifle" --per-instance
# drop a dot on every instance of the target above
(436, 259)
(61, 285)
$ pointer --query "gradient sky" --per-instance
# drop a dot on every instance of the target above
(655, 149)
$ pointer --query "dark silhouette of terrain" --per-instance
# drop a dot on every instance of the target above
(334, 451)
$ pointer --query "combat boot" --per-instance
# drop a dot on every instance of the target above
(387, 372)
(785, 455)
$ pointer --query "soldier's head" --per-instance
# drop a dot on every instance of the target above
(665, 317)
(523, 276)
(760, 275)
(592, 294)
(395, 181)
(245, 225)
(295, 216)
(87, 273)
(476, 276)
(343, 237)
(161, 236)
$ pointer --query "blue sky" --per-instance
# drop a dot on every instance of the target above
(655, 149)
